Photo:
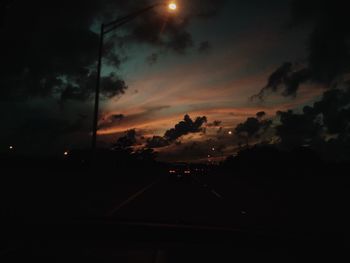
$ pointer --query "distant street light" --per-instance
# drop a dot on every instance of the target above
(105, 29)
(66, 153)
(11, 147)
(230, 132)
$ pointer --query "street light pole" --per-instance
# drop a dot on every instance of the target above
(97, 93)
(105, 29)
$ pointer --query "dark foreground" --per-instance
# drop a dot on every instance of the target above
(143, 215)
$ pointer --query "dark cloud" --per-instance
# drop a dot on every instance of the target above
(214, 124)
(164, 32)
(329, 42)
(253, 127)
(71, 92)
(83, 87)
(50, 47)
(185, 127)
(112, 86)
(168, 31)
(204, 47)
(152, 59)
(328, 47)
(204, 9)
(294, 80)
(181, 42)
(118, 117)
(157, 142)
(127, 141)
(287, 79)
(111, 120)
(146, 114)
(278, 77)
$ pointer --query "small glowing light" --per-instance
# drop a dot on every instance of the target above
(230, 132)
(187, 172)
(172, 6)
(11, 147)
(209, 156)
(66, 153)
(213, 149)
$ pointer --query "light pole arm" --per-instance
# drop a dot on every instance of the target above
(123, 20)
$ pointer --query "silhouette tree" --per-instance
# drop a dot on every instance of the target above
(127, 141)
(253, 127)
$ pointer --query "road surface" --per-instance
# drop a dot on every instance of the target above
(191, 202)
(305, 205)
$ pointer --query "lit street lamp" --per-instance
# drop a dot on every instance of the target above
(105, 29)
(172, 6)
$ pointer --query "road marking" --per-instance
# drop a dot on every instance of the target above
(216, 194)
(130, 199)
(206, 187)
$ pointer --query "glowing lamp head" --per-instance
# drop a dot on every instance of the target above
(11, 147)
(66, 153)
(172, 6)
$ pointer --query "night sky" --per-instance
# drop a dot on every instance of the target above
(193, 84)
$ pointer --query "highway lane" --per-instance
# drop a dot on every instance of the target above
(313, 204)
(196, 207)
(181, 202)
(131, 198)
(209, 200)
(253, 204)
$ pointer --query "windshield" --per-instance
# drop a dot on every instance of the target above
(193, 114)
